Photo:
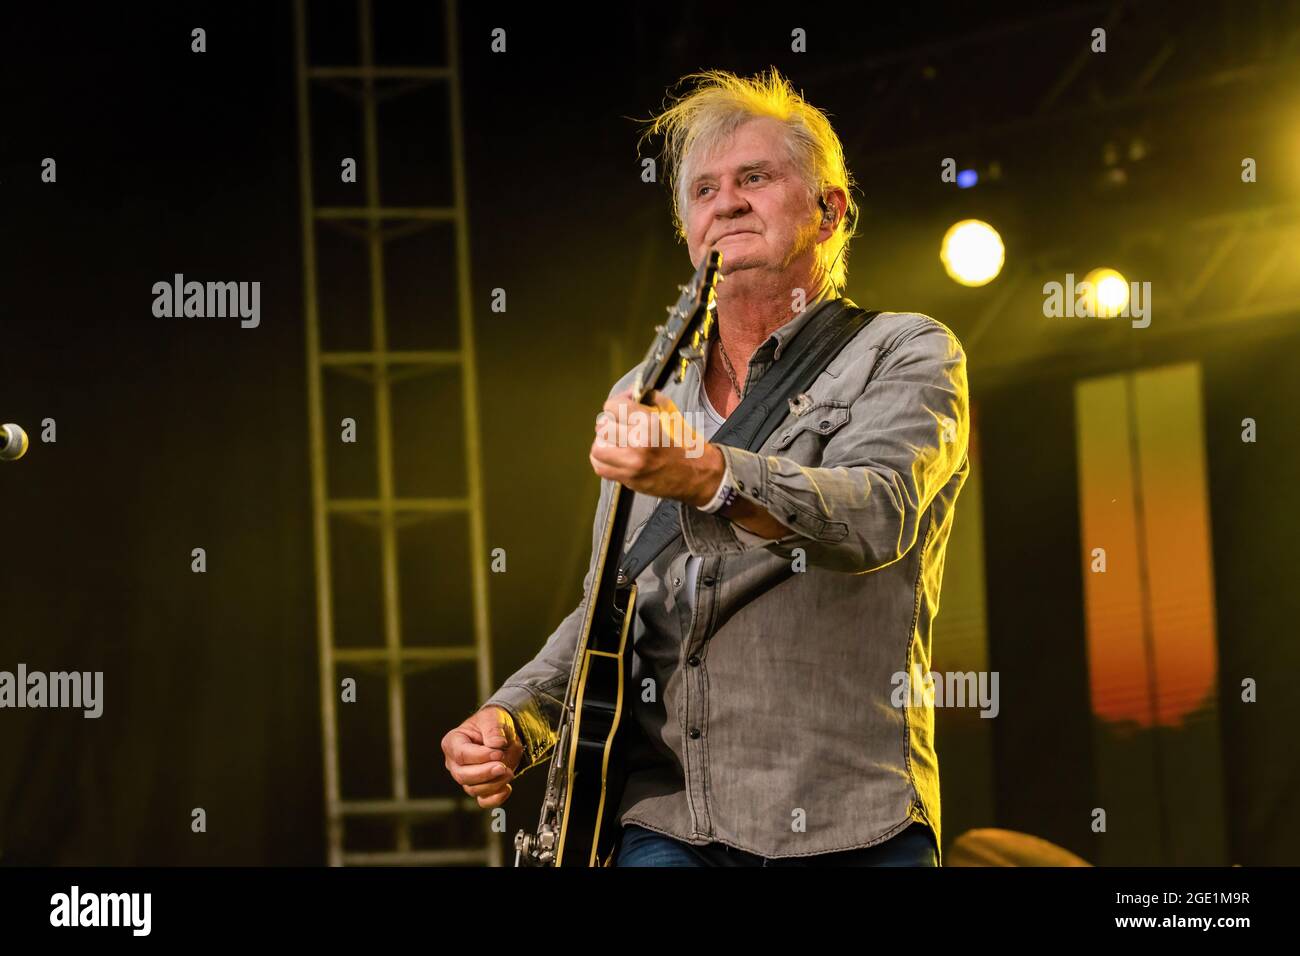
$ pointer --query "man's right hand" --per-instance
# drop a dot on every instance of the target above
(482, 754)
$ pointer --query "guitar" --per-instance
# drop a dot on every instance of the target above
(579, 819)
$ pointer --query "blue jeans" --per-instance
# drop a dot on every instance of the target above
(915, 846)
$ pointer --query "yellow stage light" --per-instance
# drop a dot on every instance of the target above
(972, 252)
(1107, 293)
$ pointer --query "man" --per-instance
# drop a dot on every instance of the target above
(769, 647)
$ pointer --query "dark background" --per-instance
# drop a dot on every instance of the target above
(183, 433)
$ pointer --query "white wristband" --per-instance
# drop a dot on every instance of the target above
(724, 496)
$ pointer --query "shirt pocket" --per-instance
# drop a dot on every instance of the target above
(823, 419)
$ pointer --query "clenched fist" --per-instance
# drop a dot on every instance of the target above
(652, 449)
(482, 754)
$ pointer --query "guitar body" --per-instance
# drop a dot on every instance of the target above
(590, 827)
(579, 821)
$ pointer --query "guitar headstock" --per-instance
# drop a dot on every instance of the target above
(693, 312)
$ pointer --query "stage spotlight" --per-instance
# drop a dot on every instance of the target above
(1107, 292)
(972, 252)
(967, 178)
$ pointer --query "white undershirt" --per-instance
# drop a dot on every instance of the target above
(710, 422)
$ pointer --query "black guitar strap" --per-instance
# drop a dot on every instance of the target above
(763, 408)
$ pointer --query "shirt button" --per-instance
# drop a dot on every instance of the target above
(677, 582)
(709, 581)
(695, 733)
(693, 661)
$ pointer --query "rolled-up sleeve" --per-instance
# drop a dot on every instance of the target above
(907, 435)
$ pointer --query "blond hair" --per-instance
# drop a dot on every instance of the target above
(703, 119)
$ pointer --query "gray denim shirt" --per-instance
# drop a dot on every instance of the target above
(770, 712)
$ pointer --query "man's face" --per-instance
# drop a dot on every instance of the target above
(747, 200)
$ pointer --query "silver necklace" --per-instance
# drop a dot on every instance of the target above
(726, 362)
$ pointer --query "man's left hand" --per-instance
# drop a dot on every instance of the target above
(652, 450)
